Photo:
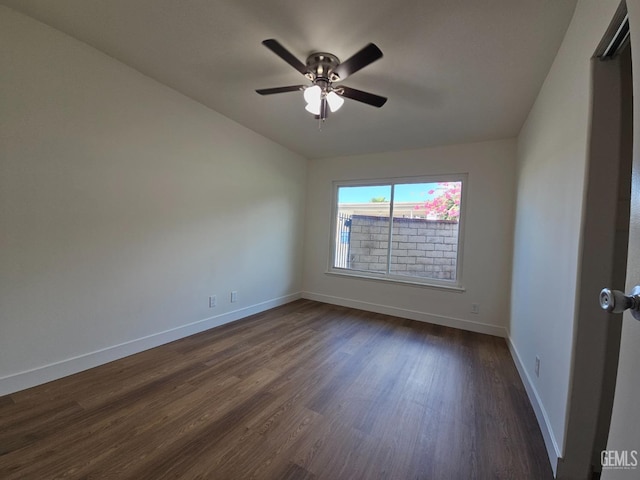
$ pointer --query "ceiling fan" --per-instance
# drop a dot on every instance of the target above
(323, 70)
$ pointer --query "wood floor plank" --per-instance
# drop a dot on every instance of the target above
(305, 391)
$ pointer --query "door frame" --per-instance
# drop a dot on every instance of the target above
(603, 257)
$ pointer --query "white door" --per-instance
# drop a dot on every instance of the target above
(621, 460)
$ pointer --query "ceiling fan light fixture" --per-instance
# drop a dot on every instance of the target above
(312, 95)
(335, 101)
(313, 108)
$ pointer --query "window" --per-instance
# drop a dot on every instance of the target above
(405, 230)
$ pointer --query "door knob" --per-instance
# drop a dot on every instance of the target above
(615, 301)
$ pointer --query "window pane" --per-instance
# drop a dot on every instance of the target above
(362, 228)
(424, 239)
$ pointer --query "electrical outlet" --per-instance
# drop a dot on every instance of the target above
(537, 366)
(475, 308)
(212, 301)
(234, 296)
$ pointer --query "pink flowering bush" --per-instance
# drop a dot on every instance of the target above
(445, 205)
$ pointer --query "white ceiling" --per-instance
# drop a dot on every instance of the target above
(455, 71)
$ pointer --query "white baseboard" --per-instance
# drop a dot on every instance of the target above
(553, 451)
(54, 371)
(410, 314)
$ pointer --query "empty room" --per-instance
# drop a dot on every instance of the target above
(332, 240)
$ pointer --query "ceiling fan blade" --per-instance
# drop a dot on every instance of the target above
(364, 57)
(360, 96)
(285, 54)
(271, 91)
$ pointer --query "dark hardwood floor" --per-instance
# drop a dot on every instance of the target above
(304, 391)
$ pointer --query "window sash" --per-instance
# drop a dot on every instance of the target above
(388, 274)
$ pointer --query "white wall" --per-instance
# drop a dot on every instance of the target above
(487, 235)
(123, 206)
(552, 154)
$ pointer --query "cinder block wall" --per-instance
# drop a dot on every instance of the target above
(420, 248)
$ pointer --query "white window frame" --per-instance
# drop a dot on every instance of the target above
(387, 276)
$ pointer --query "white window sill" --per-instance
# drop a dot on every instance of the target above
(395, 280)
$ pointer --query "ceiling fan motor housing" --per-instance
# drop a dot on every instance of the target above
(321, 66)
